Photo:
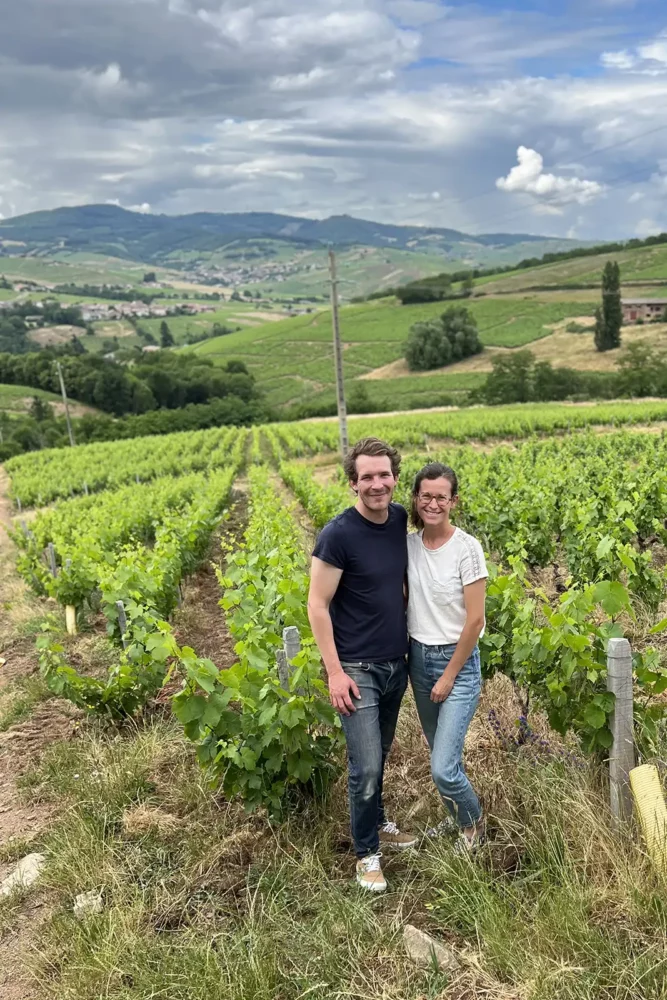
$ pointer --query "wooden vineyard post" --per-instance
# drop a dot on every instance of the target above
(622, 752)
(122, 622)
(291, 642)
(51, 559)
(291, 648)
(283, 669)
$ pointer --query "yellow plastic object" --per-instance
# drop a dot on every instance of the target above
(70, 619)
(647, 791)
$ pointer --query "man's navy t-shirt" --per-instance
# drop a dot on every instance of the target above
(368, 608)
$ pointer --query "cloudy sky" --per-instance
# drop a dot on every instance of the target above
(542, 116)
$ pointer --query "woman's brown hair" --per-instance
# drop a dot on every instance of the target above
(434, 470)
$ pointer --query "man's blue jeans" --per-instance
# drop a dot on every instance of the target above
(445, 724)
(369, 733)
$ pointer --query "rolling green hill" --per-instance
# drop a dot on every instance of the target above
(15, 400)
(278, 254)
(293, 360)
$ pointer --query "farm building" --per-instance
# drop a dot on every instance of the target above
(646, 309)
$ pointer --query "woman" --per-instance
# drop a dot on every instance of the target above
(447, 583)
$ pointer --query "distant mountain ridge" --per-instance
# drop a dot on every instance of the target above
(114, 231)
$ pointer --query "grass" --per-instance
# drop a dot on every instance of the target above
(204, 903)
(231, 315)
(373, 334)
(18, 701)
(644, 263)
(79, 268)
(17, 398)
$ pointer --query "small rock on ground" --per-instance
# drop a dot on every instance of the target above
(427, 951)
(88, 903)
(26, 872)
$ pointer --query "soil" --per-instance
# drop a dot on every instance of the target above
(200, 621)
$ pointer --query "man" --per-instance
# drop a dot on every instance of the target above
(356, 608)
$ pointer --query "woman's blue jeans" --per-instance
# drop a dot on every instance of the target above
(445, 724)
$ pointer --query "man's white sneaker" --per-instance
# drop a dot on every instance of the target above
(369, 874)
(391, 836)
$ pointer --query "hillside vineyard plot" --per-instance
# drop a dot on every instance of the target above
(591, 506)
(40, 477)
(373, 334)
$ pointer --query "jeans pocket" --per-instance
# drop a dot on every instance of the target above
(349, 666)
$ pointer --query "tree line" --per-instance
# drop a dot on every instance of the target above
(163, 380)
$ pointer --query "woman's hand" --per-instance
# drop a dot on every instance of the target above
(442, 688)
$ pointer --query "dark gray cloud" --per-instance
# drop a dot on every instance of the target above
(402, 110)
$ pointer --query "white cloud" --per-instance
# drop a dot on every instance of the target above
(618, 60)
(400, 110)
(416, 12)
(648, 227)
(648, 59)
(655, 50)
(635, 197)
(552, 193)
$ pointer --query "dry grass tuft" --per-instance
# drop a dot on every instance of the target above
(140, 820)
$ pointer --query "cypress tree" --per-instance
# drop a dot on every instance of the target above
(609, 319)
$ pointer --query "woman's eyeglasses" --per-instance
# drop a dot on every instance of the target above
(427, 499)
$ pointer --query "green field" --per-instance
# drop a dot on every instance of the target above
(13, 397)
(15, 400)
(79, 268)
(642, 264)
(231, 315)
(292, 359)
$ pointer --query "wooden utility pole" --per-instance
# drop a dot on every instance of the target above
(338, 358)
(65, 401)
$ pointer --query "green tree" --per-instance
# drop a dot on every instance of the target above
(609, 318)
(237, 368)
(149, 278)
(427, 347)
(358, 400)
(166, 338)
(467, 285)
(641, 371)
(439, 342)
(40, 410)
(511, 379)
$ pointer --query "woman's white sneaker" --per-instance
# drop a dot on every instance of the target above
(444, 828)
(369, 873)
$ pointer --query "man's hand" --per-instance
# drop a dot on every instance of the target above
(342, 689)
(442, 688)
